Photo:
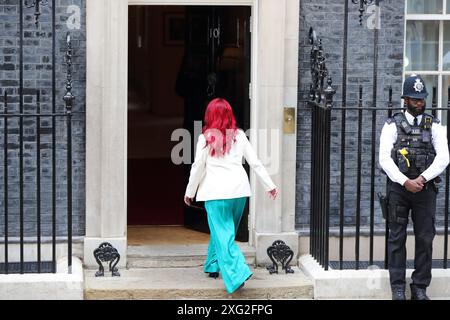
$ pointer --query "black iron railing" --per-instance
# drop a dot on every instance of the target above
(358, 161)
(321, 100)
(21, 129)
(6, 118)
(320, 182)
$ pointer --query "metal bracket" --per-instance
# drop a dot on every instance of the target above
(104, 253)
(280, 252)
(37, 8)
(362, 7)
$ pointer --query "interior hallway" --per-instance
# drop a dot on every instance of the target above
(165, 235)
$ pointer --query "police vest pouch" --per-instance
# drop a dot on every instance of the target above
(426, 136)
(421, 161)
(406, 127)
(428, 122)
(429, 160)
(402, 164)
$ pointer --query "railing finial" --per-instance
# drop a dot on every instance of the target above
(318, 93)
(69, 97)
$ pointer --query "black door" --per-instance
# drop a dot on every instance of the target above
(216, 64)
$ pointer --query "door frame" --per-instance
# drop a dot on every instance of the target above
(254, 35)
(273, 86)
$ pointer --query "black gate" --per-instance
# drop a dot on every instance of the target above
(34, 156)
(329, 137)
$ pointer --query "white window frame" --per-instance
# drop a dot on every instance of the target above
(445, 16)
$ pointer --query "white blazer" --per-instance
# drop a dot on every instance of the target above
(224, 177)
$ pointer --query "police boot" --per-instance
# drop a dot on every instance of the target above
(418, 293)
(398, 292)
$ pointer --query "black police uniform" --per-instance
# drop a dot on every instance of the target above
(407, 156)
(416, 140)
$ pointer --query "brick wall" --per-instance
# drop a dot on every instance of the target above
(37, 71)
(327, 18)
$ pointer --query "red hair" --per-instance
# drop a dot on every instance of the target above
(220, 127)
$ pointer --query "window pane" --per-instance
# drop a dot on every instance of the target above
(422, 45)
(448, 7)
(446, 60)
(445, 86)
(425, 6)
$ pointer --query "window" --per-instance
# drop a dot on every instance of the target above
(424, 7)
(446, 59)
(427, 46)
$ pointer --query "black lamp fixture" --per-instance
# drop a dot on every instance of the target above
(362, 7)
(36, 4)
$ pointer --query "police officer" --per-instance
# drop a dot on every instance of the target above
(413, 153)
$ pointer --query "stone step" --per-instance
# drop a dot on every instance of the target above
(168, 256)
(193, 283)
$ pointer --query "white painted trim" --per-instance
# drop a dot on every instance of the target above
(440, 67)
(427, 17)
(404, 47)
(106, 91)
(441, 46)
(431, 73)
(254, 18)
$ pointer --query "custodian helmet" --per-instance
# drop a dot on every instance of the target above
(414, 87)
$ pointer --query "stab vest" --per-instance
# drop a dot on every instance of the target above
(416, 140)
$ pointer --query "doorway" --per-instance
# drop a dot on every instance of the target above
(180, 58)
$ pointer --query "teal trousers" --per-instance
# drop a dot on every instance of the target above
(224, 254)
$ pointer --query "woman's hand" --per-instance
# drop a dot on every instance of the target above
(273, 193)
(187, 200)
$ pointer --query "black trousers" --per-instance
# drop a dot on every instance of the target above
(422, 206)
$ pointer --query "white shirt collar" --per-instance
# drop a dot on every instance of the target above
(410, 118)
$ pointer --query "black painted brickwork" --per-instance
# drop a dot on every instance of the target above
(38, 75)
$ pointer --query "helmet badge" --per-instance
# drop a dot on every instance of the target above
(418, 85)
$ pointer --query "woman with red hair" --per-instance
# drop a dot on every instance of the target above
(223, 184)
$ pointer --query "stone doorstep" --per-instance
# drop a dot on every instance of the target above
(173, 262)
(193, 283)
(160, 256)
(365, 284)
(178, 250)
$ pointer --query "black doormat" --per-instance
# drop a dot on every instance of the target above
(351, 265)
(28, 267)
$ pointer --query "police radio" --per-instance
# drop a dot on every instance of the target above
(426, 132)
